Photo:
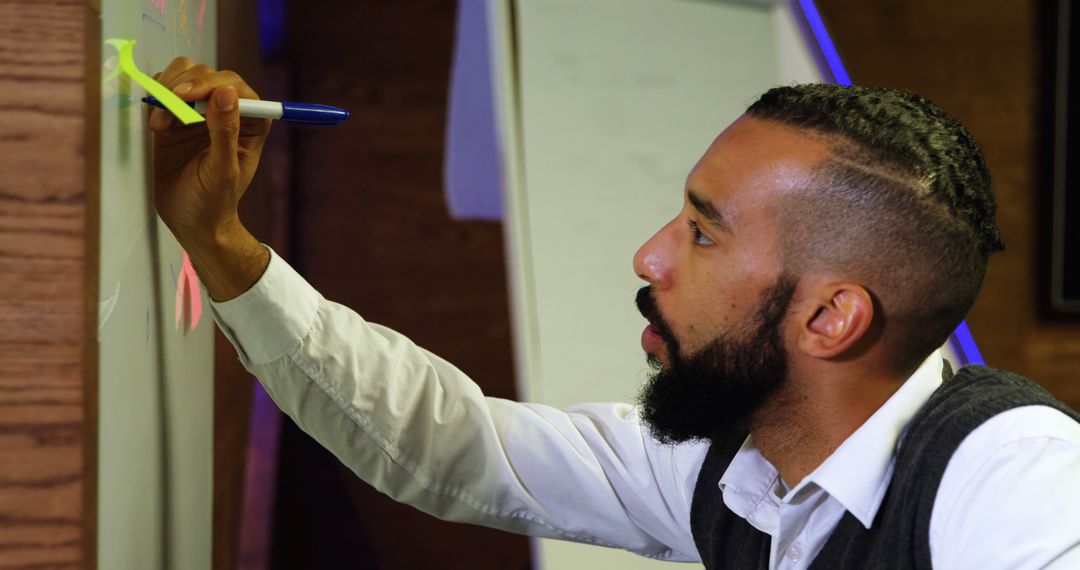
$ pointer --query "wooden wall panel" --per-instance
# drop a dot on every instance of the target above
(983, 62)
(48, 292)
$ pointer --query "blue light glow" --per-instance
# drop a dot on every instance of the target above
(825, 43)
(964, 345)
(271, 14)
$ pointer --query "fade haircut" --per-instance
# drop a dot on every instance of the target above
(902, 204)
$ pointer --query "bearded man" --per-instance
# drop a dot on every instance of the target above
(799, 414)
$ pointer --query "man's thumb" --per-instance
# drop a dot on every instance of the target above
(223, 122)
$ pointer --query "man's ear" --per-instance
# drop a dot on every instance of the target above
(838, 318)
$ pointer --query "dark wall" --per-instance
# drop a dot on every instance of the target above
(985, 63)
(370, 230)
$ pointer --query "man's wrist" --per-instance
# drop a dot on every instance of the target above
(229, 262)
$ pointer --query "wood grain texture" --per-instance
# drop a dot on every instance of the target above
(982, 62)
(43, 283)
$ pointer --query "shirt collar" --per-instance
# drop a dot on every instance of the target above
(871, 449)
(748, 480)
(858, 472)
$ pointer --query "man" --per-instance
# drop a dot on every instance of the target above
(830, 240)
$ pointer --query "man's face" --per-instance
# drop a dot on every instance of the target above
(717, 295)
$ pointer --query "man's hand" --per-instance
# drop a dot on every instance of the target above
(201, 171)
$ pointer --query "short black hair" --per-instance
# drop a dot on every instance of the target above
(903, 204)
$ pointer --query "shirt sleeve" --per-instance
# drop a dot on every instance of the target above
(1009, 497)
(418, 429)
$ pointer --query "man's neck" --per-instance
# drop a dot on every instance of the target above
(803, 424)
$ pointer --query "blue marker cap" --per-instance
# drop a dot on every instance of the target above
(312, 114)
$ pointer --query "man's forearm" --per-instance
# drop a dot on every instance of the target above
(228, 264)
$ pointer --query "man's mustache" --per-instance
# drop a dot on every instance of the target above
(646, 305)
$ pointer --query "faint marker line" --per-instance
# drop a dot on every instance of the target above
(146, 16)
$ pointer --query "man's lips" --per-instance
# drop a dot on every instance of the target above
(651, 341)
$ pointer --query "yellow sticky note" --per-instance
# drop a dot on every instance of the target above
(176, 105)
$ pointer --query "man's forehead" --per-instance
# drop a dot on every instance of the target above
(756, 158)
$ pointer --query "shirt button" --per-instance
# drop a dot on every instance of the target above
(794, 552)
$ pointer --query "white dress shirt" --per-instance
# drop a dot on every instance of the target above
(418, 429)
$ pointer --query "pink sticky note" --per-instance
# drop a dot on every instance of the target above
(188, 296)
(159, 4)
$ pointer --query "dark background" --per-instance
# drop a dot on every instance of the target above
(359, 210)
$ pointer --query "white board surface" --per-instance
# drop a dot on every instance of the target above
(155, 473)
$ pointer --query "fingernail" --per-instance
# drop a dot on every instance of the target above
(226, 99)
(182, 88)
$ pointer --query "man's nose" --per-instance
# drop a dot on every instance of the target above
(652, 260)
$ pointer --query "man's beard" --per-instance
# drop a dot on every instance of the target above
(715, 391)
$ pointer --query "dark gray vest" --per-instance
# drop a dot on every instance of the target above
(900, 534)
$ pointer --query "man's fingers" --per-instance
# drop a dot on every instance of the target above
(193, 82)
(223, 123)
(160, 119)
(175, 67)
(197, 82)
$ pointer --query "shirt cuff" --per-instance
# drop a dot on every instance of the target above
(270, 319)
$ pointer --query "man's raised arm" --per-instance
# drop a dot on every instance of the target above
(403, 419)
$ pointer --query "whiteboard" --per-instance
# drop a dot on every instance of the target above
(155, 472)
(603, 108)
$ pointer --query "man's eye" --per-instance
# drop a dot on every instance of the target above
(699, 238)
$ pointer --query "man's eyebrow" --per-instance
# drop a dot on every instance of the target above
(706, 208)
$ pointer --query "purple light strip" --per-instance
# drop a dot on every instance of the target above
(964, 345)
(961, 340)
(825, 43)
(260, 482)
